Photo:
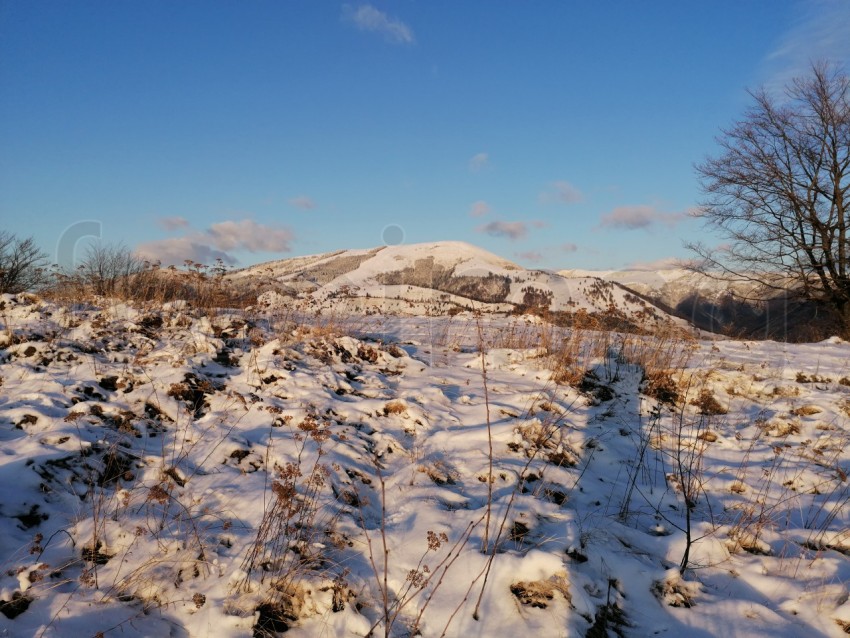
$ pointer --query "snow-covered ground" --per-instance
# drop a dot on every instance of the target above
(165, 473)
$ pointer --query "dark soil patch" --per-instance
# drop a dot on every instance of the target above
(32, 518)
(519, 531)
(16, 606)
(94, 555)
(274, 619)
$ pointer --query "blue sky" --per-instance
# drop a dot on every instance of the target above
(556, 134)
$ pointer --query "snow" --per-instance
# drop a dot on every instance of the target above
(143, 449)
(356, 281)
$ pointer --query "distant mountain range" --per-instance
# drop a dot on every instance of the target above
(449, 277)
(743, 309)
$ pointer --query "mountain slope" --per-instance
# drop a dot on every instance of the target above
(739, 308)
(443, 277)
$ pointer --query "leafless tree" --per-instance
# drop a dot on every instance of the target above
(778, 192)
(107, 268)
(22, 264)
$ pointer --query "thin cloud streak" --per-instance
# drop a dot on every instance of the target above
(532, 255)
(511, 230)
(561, 192)
(640, 217)
(368, 18)
(666, 263)
(821, 32)
(479, 209)
(479, 162)
(303, 202)
(172, 223)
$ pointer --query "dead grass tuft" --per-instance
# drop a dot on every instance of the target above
(540, 593)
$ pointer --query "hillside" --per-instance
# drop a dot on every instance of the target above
(739, 309)
(170, 472)
(440, 278)
(669, 286)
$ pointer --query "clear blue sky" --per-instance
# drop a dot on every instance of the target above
(556, 134)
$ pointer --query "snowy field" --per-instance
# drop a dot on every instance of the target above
(169, 473)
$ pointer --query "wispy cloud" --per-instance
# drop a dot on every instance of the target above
(569, 248)
(637, 217)
(478, 162)
(479, 208)
(172, 223)
(218, 242)
(511, 230)
(303, 202)
(530, 255)
(666, 263)
(367, 18)
(821, 31)
(561, 192)
(247, 234)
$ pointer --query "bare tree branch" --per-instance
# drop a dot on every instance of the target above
(22, 264)
(778, 192)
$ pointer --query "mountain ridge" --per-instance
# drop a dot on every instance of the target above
(445, 277)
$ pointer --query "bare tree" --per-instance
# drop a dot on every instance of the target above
(779, 190)
(22, 264)
(107, 268)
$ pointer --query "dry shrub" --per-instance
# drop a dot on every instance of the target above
(675, 591)
(707, 404)
(544, 438)
(742, 539)
(539, 593)
(285, 547)
(440, 473)
(663, 357)
(806, 410)
(738, 487)
(778, 427)
(395, 407)
(785, 391)
(661, 386)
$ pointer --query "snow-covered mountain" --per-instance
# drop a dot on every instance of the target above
(741, 308)
(442, 277)
(669, 286)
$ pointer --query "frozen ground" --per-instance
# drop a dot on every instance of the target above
(164, 473)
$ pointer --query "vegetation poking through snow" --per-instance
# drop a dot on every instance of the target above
(269, 470)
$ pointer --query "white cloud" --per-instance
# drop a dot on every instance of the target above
(561, 193)
(172, 223)
(478, 162)
(303, 202)
(636, 217)
(479, 208)
(821, 31)
(217, 242)
(511, 230)
(247, 234)
(368, 18)
(175, 251)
